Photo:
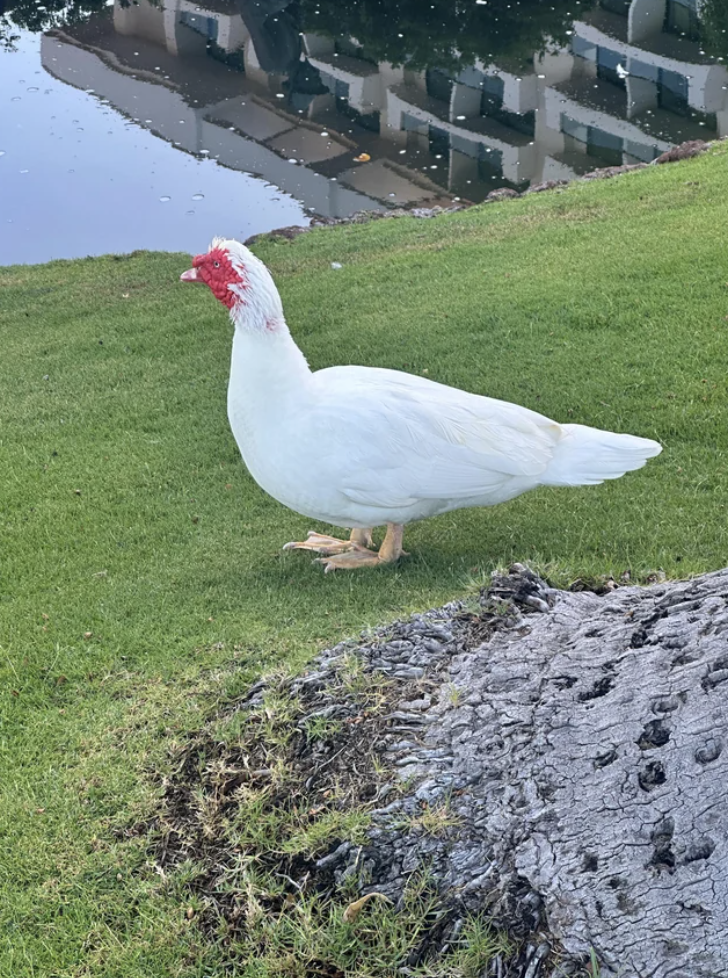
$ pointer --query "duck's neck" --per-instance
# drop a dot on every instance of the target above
(267, 367)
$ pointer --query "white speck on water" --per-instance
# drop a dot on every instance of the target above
(460, 118)
(165, 199)
(280, 95)
(324, 133)
(196, 197)
(291, 160)
(204, 152)
(392, 195)
(402, 152)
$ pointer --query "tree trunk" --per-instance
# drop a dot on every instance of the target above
(553, 759)
(578, 750)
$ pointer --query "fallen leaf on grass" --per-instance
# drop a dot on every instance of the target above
(355, 908)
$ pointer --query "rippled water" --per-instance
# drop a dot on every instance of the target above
(140, 124)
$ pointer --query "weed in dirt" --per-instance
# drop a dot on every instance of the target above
(255, 803)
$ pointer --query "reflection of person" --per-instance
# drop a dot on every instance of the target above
(275, 38)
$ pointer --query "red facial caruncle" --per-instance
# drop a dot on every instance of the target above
(216, 270)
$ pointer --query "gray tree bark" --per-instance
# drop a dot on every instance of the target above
(576, 742)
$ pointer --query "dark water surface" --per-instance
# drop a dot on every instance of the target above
(141, 124)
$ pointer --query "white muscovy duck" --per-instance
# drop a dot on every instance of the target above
(360, 447)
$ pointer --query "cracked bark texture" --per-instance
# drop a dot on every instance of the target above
(580, 750)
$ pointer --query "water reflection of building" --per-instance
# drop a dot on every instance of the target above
(228, 79)
(639, 81)
(178, 70)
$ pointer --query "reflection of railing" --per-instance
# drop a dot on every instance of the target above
(207, 26)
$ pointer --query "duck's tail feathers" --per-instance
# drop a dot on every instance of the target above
(588, 456)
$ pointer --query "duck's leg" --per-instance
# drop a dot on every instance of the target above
(321, 544)
(361, 538)
(389, 552)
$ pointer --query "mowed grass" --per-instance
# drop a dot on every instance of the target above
(141, 578)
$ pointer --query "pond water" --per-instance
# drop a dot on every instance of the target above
(161, 123)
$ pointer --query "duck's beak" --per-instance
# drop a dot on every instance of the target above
(190, 276)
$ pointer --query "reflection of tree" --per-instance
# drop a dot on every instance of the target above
(420, 33)
(34, 16)
(444, 33)
(714, 27)
(434, 33)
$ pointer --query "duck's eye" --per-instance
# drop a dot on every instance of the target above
(216, 264)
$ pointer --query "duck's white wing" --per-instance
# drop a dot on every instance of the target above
(402, 438)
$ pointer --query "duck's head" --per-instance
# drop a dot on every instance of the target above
(240, 281)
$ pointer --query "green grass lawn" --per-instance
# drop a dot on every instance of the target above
(141, 578)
